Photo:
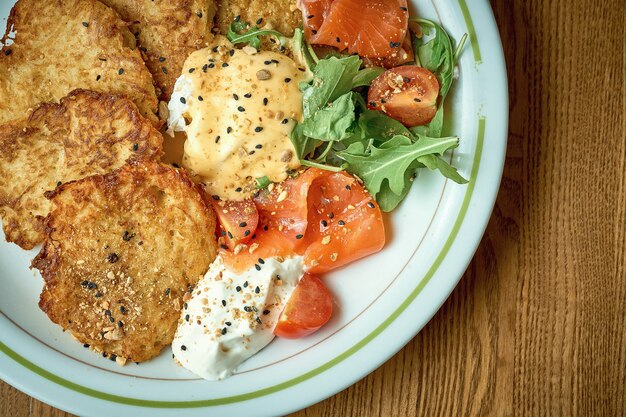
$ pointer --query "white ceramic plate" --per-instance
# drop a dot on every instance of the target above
(381, 301)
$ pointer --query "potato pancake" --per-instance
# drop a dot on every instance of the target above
(86, 133)
(122, 250)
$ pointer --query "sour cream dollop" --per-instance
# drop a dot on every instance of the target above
(231, 316)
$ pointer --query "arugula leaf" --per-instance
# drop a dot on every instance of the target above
(434, 162)
(365, 76)
(303, 145)
(332, 78)
(392, 160)
(387, 199)
(335, 122)
(436, 54)
(374, 124)
(262, 182)
(434, 127)
(237, 35)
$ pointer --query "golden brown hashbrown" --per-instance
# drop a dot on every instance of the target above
(167, 31)
(121, 251)
(86, 133)
(61, 45)
(280, 15)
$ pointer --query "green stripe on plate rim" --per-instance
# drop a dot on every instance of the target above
(471, 30)
(294, 381)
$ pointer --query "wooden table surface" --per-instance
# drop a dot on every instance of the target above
(537, 324)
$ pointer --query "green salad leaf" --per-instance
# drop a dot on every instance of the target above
(241, 32)
(335, 122)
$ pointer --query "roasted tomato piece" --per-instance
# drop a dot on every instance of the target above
(309, 308)
(370, 28)
(238, 221)
(407, 94)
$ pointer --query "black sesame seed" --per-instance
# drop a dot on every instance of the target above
(98, 77)
(185, 306)
(253, 236)
(314, 32)
(113, 357)
(258, 268)
(370, 205)
(265, 100)
(135, 146)
(348, 187)
(92, 286)
(164, 70)
(211, 65)
(324, 223)
(85, 345)
(237, 18)
(417, 100)
(407, 80)
(186, 317)
(112, 257)
(245, 284)
(199, 14)
(225, 64)
(84, 283)
(111, 319)
(404, 9)
(372, 104)
(215, 48)
(261, 261)
(247, 95)
(200, 98)
(86, 24)
(143, 49)
(310, 16)
(223, 246)
(182, 100)
(341, 223)
(235, 96)
(383, 101)
(285, 121)
(229, 129)
(268, 62)
(59, 183)
(238, 288)
(122, 309)
(120, 323)
(266, 228)
(259, 146)
(259, 21)
(183, 347)
(204, 67)
(337, 39)
(104, 354)
(230, 235)
(215, 197)
(277, 276)
(167, 291)
(266, 312)
(224, 303)
(217, 138)
(99, 294)
(243, 224)
(287, 80)
(191, 70)
(247, 309)
(258, 320)
(299, 236)
(120, 71)
(231, 52)
(224, 331)
(331, 215)
(395, 44)
(258, 129)
(238, 189)
(241, 109)
(161, 59)
(246, 233)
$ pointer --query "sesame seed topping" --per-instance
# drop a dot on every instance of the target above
(182, 100)
(98, 77)
(341, 223)
(86, 24)
(164, 70)
(183, 347)
(224, 303)
(235, 96)
(265, 100)
(217, 138)
(258, 129)
(299, 236)
(112, 257)
(224, 65)
(241, 108)
(238, 288)
(167, 291)
(261, 261)
(211, 65)
(371, 205)
(259, 21)
(266, 312)
(247, 95)
(135, 146)
(257, 289)
(285, 121)
(229, 129)
(287, 80)
(258, 268)
(120, 71)
(161, 59)
(191, 70)
(199, 14)
(200, 98)
(231, 52)
(324, 223)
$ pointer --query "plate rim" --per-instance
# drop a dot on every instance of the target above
(460, 218)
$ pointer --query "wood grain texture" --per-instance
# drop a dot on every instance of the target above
(537, 326)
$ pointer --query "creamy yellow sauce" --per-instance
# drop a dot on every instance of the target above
(240, 107)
